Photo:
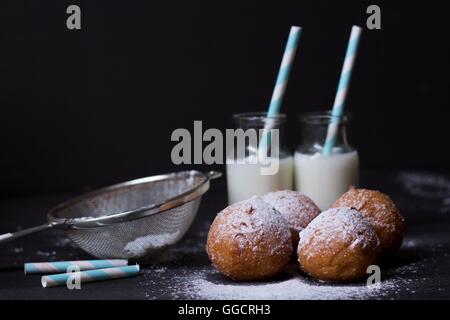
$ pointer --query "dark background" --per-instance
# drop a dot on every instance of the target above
(82, 109)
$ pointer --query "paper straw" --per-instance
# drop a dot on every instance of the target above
(61, 266)
(90, 275)
(341, 94)
(285, 70)
(282, 80)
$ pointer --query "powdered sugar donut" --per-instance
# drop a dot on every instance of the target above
(381, 212)
(249, 240)
(298, 209)
(338, 245)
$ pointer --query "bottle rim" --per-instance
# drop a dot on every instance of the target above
(324, 117)
(258, 118)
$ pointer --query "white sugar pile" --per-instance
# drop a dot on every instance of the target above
(207, 284)
(197, 286)
(141, 245)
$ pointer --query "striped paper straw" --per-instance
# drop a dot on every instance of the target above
(61, 266)
(91, 275)
(285, 70)
(339, 101)
(282, 80)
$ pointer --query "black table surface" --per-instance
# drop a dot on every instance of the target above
(421, 266)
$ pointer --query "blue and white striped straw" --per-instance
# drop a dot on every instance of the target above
(341, 94)
(61, 266)
(285, 70)
(90, 275)
(281, 83)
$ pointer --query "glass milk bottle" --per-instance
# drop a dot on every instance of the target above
(324, 178)
(247, 173)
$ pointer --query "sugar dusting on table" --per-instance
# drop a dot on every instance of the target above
(296, 288)
(204, 284)
(432, 187)
(425, 184)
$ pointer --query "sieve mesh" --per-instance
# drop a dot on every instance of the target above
(137, 238)
(134, 238)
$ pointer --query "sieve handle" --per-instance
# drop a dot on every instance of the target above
(214, 174)
(14, 235)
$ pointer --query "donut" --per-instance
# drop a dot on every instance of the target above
(298, 209)
(249, 240)
(338, 245)
(381, 212)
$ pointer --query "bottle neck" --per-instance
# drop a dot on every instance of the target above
(263, 126)
(314, 129)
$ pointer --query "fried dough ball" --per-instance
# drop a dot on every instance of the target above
(249, 240)
(298, 209)
(381, 212)
(338, 245)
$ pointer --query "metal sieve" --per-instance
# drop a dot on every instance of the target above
(130, 219)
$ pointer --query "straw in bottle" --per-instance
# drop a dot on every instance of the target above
(341, 94)
(281, 82)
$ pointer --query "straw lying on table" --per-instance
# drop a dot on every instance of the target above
(61, 266)
(90, 275)
(89, 270)
(341, 94)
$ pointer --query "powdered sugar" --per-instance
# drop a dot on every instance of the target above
(189, 275)
(425, 185)
(376, 207)
(293, 289)
(297, 208)
(140, 246)
(434, 188)
(336, 226)
(249, 222)
(205, 284)
(380, 211)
